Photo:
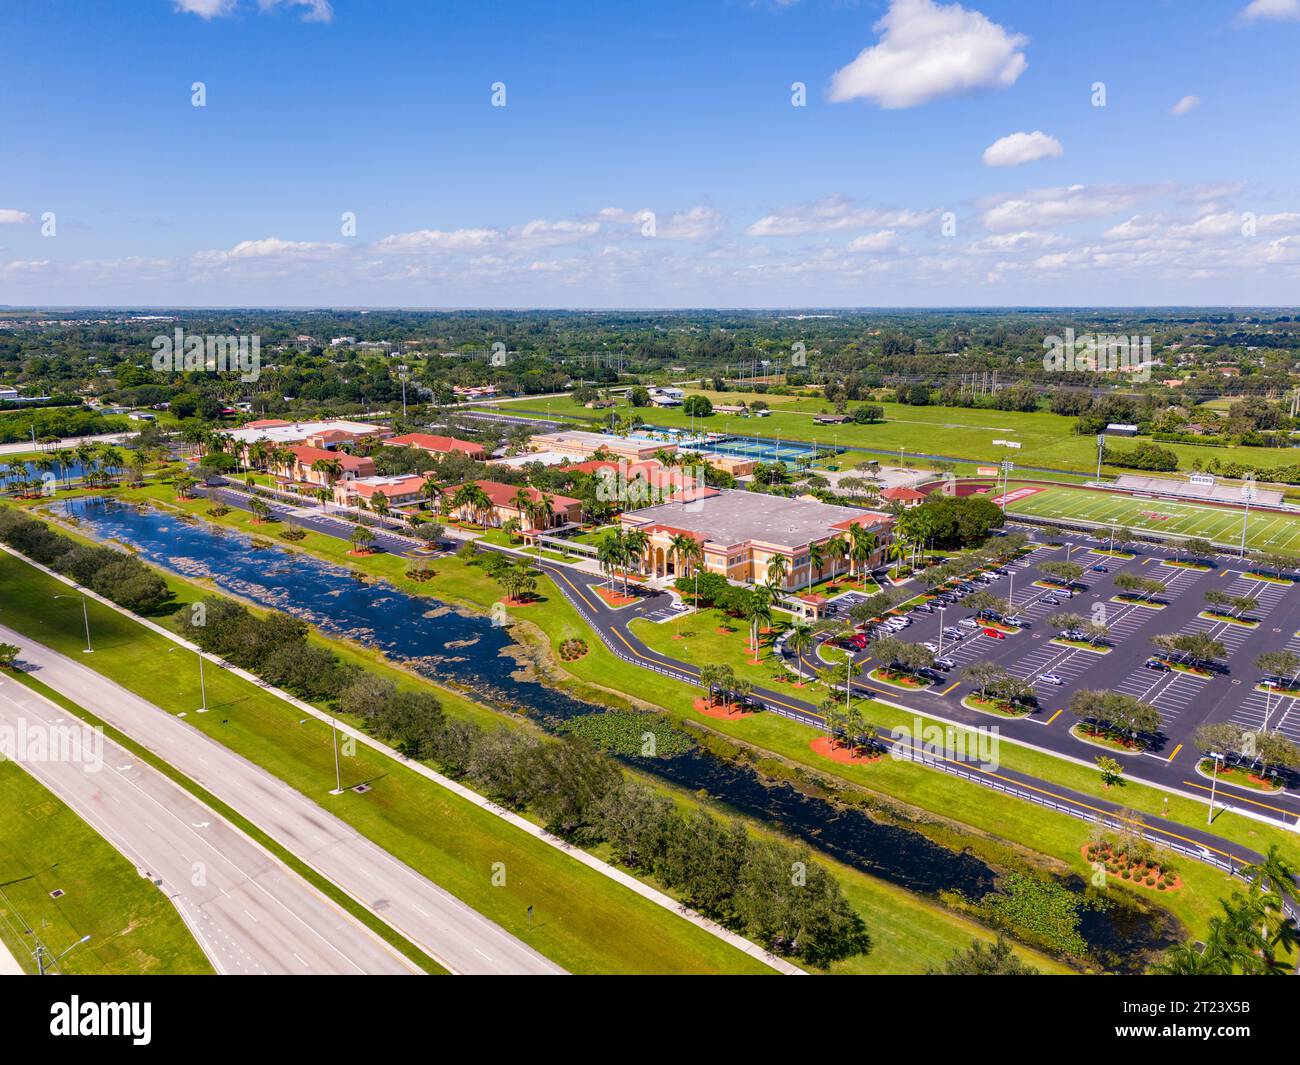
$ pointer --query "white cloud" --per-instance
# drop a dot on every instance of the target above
(697, 223)
(1046, 208)
(1272, 9)
(541, 233)
(882, 241)
(206, 9)
(272, 246)
(440, 240)
(1016, 149)
(1185, 104)
(833, 214)
(317, 10)
(927, 51)
(8, 216)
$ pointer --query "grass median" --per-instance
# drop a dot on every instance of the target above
(45, 847)
(581, 919)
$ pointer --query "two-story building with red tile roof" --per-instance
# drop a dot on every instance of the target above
(439, 445)
(504, 505)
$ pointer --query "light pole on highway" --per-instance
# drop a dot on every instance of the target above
(1214, 783)
(338, 777)
(203, 684)
(43, 966)
(85, 616)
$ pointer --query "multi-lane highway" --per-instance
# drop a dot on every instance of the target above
(459, 937)
(249, 912)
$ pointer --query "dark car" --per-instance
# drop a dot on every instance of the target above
(1157, 664)
(1100, 569)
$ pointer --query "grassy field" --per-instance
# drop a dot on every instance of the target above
(1055, 835)
(45, 846)
(1265, 531)
(584, 921)
(1046, 439)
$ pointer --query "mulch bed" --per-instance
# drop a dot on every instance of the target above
(613, 598)
(722, 711)
(1116, 864)
(837, 752)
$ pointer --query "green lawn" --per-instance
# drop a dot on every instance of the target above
(583, 920)
(1265, 531)
(45, 846)
(1046, 439)
(603, 675)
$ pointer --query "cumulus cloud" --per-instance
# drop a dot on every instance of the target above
(834, 214)
(1016, 149)
(312, 10)
(206, 9)
(1185, 104)
(1047, 208)
(927, 51)
(1288, 10)
(8, 216)
(885, 240)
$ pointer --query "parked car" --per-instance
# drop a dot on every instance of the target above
(953, 631)
(931, 646)
(945, 663)
(993, 634)
(1049, 600)
(1156, 664)
(1051, 678)
(1017, 620)
(1100, 569)
(968, 623)
(857, 641)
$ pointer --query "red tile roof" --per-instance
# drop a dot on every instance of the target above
(902, 494)
(503, 495)
(443, 445)
(306, 455)
(405, 487)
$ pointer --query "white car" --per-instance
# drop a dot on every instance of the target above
(1051, 678)
(968, 623)
(933, 648)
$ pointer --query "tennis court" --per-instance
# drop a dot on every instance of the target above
(1267, 531)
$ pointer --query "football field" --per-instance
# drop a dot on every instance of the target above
(1266, 531)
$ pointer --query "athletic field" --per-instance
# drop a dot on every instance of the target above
(1266, 532)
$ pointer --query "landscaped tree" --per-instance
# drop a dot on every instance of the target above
(778, 568)
(611, 553)
(1111, 771)
(799, 638)
(1116, 714)
(472, 497)
(8, 655)
(862, 545)
(1133, 584)
(184, 486)
(1196, 649)
(362, 537)
(1279, 664)
(987, 603)
(379, 504)
(331, 468)
(758, 612)
(1064, 573)
(980, 959)
(1199, 549)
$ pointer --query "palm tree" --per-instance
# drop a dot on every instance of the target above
(816, 560)
(778, 568)
(635, 541)
(323, 494)
(471, 496)
(379, 504)
(430, 490)
(835, 548)
(331, 468)
(758, 612)
(611, 551)
(799, 638)
(362, 537)
(862, 545)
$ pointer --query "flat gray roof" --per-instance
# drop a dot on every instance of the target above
(733, 517)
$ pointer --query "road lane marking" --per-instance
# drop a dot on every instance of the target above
(1055, 716)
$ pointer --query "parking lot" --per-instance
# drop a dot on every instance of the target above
(1056, 671)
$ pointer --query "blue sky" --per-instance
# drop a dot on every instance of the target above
(649, 154)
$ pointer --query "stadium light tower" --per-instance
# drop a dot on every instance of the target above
(1247, 493)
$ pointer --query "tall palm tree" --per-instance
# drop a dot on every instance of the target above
(862, 545)
(799, 638)
(323, 494)
(816, 560)
(430, 490)
(331, 468)
(611, 552)
(379, 504)
(758, 612)
(635, 541)
(778, 568)
(471, 496)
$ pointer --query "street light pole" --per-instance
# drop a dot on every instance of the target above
(941, 610)
(1214, 783)
(42, 966)
(85, 617)
(338, 778)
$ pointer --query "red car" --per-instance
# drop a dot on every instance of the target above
(858, 641)
(993, 634)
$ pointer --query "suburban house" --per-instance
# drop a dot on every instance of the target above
(904, 497)
(439, 445)
(740, 533)
(401, 491)
(504, 506)
(304, 456)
